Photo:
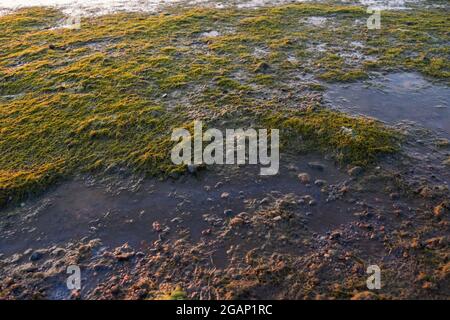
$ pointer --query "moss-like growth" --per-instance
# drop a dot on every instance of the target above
(108, 95)
(352, 140)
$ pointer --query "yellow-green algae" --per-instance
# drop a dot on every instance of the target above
(349, 139)
(108, 95)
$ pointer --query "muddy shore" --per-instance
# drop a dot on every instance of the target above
(364, 176)
(307, 233)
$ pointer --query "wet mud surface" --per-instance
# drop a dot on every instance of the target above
(309, 232)
(124, 210)
(396, 97)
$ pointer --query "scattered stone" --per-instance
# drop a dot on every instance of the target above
(244, 215)
(304, 178)
(286, 203)
(316, 166)
(236, 221)
(355, 171)
(140, 254)
(176, 220)
(157, 226)
(36, 255)
(442, 143)
(15, 258)
(277, 218)
(166, 229)
(426, 192)
(229, 212)
(335, 235)
(265, 201)
(115, 290)
(225, 195)
(206, 232)
(320, 183)
(415, 243)
(394, 196)
(440, 210)
(312, 202)
(124, 253)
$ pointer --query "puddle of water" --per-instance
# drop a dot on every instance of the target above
(316, 21)
(75, 210)
(396, 97)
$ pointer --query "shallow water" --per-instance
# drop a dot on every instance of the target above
(396, 97)
(109, 6)
(89, 6)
